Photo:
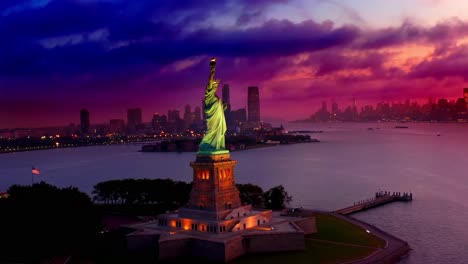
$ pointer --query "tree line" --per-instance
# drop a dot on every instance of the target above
(142, 192)
(173, 194)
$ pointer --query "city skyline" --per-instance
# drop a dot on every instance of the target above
(455, 110)
(111, 56)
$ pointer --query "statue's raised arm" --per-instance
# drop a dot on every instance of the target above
(212, 86)
(213, 142)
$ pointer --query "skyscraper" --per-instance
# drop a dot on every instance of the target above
(159, 123)
(460, 105)
(226, 99)
(174, 122)
(197, 115)
(187, 116)
(253, 104)
(84, 121)
(465, 95)
(335, 108)
(324, 106)
(173, 116)
(227, 112)
(134, 119)
(354, 110)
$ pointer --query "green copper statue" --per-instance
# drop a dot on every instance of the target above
(213, 141)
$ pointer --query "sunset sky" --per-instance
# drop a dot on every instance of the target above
(57, 57)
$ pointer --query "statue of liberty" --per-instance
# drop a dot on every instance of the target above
(213, 141)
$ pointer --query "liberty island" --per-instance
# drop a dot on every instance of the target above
(215, 225)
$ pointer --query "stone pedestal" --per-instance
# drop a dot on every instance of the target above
(214, 193)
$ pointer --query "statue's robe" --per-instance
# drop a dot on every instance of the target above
(215, 120)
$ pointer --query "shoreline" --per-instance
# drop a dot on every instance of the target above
(3, 151)
(194, 148)
(395, 249)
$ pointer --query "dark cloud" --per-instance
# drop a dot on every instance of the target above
(332, 61)
(71, 37)
(76, 37)
(441, 34)
(453, 64)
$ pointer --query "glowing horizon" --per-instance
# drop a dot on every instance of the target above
(108, 56)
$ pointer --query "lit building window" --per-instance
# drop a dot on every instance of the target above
(203, 174)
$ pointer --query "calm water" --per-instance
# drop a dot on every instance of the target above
(349, 164)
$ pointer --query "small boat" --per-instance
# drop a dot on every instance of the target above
(401, 127)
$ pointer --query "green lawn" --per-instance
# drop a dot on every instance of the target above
(329, 228)
(316, 252)
(334, 229)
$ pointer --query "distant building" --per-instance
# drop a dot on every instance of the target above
(465, 95)
(21, 133)
(134, 119)
(174, 123)
(253, 104)
(239, 119)
(226, 97)
(117, 126)
(197, 115)
(173, 116)
(159, 123)
(322, 114)
(443, 104)
(354, 111)
(227, 113)
(188, 118)
(84, 122)
(100, 129)
(335, 108)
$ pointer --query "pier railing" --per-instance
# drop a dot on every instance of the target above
(379, 199)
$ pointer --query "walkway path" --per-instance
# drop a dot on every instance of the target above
(340, 243)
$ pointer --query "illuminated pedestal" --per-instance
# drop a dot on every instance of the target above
(214, 224)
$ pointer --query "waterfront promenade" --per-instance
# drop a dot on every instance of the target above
(394, 250)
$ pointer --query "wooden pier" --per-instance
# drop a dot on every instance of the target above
(379, 199)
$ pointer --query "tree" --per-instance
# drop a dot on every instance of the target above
(276, 198)
(251, 194)
(165, 192)
(42, 220)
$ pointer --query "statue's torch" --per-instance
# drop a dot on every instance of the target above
(212, 69)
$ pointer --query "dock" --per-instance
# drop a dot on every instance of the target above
(379, 199)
